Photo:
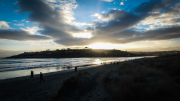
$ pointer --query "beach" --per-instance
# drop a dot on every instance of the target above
(150, 79)
(26, 88)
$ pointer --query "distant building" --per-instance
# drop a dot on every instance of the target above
(41, 52)
(26, 53)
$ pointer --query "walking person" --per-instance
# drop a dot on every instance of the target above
(32, 73)
(41, 77)
(75, 69)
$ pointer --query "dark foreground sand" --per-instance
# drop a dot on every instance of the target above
(28, 89)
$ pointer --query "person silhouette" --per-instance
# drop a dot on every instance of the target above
(75, 69)
(32, 73)
(41, 77)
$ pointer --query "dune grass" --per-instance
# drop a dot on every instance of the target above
(76, 85)
(145, 79)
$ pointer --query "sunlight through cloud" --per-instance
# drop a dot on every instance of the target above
(103, 46)
(82, 35)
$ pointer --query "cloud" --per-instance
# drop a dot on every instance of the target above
(31, 30)
(65, 8)
(96, 14)
(169, 18)
(23, 20)
(21, 36)
(51, 0)
(152, 35)
(81, 24)
(108, 0)
(4, 25)
(49, 18)
(117, 25)
(122, 3)
(155, 6)
(119, 20)
(55, 17)
(19, 24)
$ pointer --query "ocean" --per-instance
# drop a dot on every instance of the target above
(10, 68)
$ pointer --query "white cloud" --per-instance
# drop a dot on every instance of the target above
(19, 24)
(122, 3)
(65, 8)
(108, 0)
(103, 12)
(96, 14)
(31, 30)
(81, 24)
(108, 16)
(101, 18)
(23, 20)
(82, 35)
(4, 25)
(32, 43)
(51, 0)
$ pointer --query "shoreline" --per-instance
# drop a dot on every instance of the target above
(26, 88)
(75, 57)
(139, 79)
(82, 67)
(26, 72)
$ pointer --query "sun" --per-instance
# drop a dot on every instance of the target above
(103, 46)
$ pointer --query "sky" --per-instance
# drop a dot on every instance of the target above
(132, 25)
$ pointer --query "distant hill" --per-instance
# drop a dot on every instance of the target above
(74, 53)
(156, 53)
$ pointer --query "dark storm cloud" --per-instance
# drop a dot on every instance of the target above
(51, 20)
(159, 34)
(39, 11)
(55, 33)
(21, 36)
(120, 22)
(48, 19)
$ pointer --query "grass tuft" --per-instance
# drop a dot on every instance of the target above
(76, 84)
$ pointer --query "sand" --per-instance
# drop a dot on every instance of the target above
(29, 89)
